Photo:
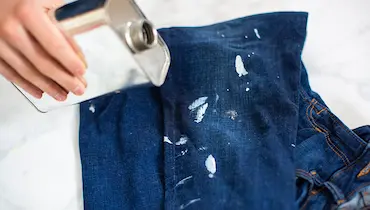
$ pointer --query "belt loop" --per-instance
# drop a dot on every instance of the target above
(333, 189)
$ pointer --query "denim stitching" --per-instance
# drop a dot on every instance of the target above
(350, 132)
(334, 118)
(326, 134)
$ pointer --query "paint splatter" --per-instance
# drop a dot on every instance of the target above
(200, 106)
(211, 165)
(293, 145)
(247, 89)
(222, 35)
(239, 66)
(200, 101)
(257, 33)
(252, 53)
(167, 140)
(92, 108)
(232, 114)
(202, 148)
(246, 36)
(217, 98)
(227, 89)
(278, 77)
(183, 181)
(247, 83)
(183, 206)
(183, 140)
(249, 56)
(182, 153)
(200, 113)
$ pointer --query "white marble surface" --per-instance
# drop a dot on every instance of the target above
(39, 160)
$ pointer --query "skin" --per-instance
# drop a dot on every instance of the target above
(35, 54)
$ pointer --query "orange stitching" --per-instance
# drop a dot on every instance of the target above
(324, 109)
(317, 129)
(364, 171)
(329, 142)
(340, 171)
(315, 192)
(333, 117)
(350, 132)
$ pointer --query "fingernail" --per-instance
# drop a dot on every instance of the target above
(80, 71)
(82, 57)
(37, 95)
(83, 80)
(79, 90)
(60, 97)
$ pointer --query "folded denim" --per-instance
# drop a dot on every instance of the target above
(235, 126)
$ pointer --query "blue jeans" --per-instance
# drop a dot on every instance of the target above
(235, 126)
(331, 160)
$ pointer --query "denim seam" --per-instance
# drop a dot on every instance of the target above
(350, 132)
(333, 147)
(339, 172)
(334, 118)
(311, 103)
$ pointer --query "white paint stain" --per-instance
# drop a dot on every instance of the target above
(183, 181)
(211, 165)
(200, 106)
(167, 140)
(249, 56)
(246, 36)
(183, 206)
(202, 148)
(92, 108)
(239, 66)
(293, 145)
(183, 140)
(227, 89)
(257, 33)
(247, 83)
(278, 77)
(252, 53)
(217, 98)
(200, 101)
(200, 113)
(184, 152)
(247, 89)
(232, 114)
(222, 35)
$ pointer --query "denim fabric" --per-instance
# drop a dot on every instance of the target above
(235, 126)
(331, 159)
(217, 135)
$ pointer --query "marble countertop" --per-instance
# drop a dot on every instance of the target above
(39, 159)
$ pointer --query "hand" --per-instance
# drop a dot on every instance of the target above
(35, 54)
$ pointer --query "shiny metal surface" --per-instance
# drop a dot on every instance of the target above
(122, 49)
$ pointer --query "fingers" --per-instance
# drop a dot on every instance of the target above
(46, 64)
(25, 69)
(52, 40)
(12, 76)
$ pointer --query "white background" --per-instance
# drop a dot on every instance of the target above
(39, 160)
